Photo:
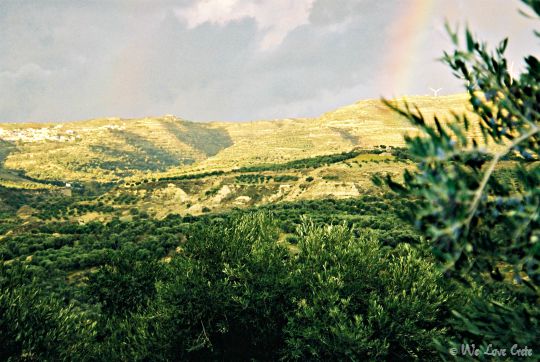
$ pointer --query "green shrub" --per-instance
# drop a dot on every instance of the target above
(285, 178)
(330, 177)
(125, 284)
(362, 301)
(226, 292)
(35, 327)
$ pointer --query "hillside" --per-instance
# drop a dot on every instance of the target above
(105, 150)
(105, 168)
(219, 214)
(108, 149)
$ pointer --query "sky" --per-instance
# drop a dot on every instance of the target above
(233, 60)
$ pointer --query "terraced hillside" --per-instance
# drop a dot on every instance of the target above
(113, 149)
(108, 149)
(364, 124)
(107, 168)
(323, 178)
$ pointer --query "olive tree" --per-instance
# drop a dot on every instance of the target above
(477, 189)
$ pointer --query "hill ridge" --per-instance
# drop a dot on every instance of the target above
(112, 148)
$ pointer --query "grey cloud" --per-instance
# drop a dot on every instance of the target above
(65, 60)
(328, 12)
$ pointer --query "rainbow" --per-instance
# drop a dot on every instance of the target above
(405, 40)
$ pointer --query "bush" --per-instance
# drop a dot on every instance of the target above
(34, 327)
(125, 284)
(361, 301)
(235, 293)
(226, 292)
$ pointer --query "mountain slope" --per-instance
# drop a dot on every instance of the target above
(112, 149)
(364, 124)
(109, 149)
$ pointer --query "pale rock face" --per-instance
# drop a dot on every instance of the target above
(142, 193)
(25, 212)
(241, 200)
(284, 188)
(171, 193)
(195, 209)
(221, 194)
(282, 192)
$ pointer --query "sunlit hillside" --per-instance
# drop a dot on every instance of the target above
(108, 149)
(364, 124)
(111, 149)
(165, 165)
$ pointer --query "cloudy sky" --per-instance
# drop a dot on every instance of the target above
(231, 59)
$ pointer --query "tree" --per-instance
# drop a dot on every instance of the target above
(479, 211)
(35, 325)
(226, 292)
(124, 285)
(358, 300)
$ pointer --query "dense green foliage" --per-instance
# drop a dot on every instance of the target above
(253, 178)
(312, 162)
(484, 229)
(61, 247)
(366, 302)
(258, 178)
(231, 291)
(192, 176)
